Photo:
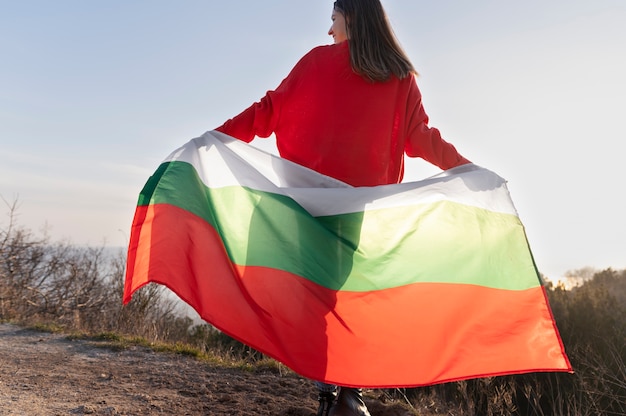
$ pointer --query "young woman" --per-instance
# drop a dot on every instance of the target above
(351, 111)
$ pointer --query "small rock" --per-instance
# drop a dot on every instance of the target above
(83, 410)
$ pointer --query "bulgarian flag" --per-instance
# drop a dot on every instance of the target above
(390, 286)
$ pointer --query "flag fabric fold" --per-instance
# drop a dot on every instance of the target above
(390, 286)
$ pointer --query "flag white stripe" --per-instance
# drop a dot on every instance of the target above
(223, 161)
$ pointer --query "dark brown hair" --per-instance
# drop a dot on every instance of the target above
(375, 52)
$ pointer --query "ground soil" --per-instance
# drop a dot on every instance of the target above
(50, 374)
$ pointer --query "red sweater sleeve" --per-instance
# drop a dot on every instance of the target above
(257, 120)
(424, 141)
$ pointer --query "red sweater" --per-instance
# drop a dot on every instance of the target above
(329, 119)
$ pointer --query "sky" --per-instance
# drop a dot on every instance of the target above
(95, 94)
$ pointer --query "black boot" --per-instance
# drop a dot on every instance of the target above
(326, 399)
(349, 403)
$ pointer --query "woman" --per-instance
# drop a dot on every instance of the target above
(351, 111)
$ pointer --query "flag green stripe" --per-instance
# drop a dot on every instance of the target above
(445, 242)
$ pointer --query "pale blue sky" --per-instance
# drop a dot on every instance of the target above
(94, 94)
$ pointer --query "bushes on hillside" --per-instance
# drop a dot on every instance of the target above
(77, 288)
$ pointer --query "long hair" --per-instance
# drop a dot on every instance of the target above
(375, 52)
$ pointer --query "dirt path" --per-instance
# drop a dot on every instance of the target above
(49, 374)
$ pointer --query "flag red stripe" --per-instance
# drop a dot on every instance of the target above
(420, 334)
